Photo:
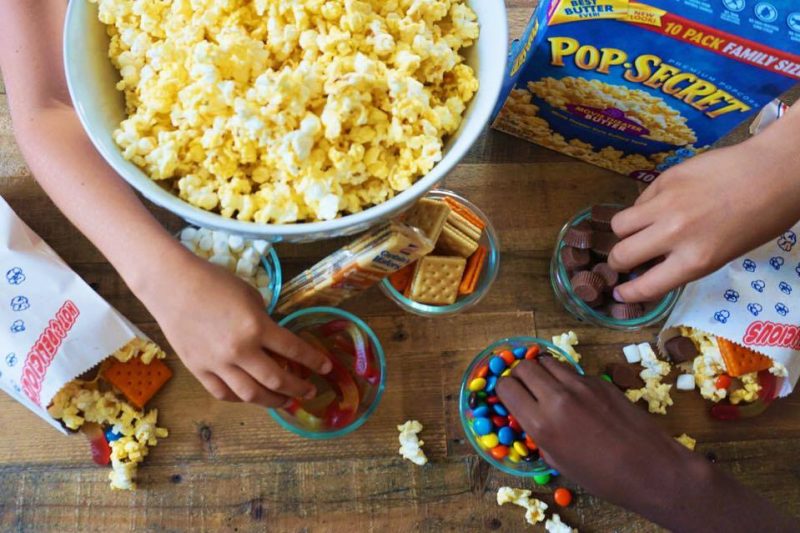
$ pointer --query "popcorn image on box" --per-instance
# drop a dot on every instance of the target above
(54, 329)
(639, 87)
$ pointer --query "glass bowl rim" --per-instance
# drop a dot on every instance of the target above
(379, 355)
(560, 274)
(463, 394)
(487, 279)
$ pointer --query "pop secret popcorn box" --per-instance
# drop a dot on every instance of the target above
(637, 87)
(53, 329)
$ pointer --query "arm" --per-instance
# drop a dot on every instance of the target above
(576, 419)
(711, 209)
(228, 339)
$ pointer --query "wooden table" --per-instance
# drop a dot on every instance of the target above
(229, 467)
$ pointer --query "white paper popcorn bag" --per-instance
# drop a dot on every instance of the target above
(753, 302)
(53, 329)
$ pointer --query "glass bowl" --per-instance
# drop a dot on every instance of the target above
(535, 468)
(562, 287)
(370, 388)
(270, 263)
(491, 267)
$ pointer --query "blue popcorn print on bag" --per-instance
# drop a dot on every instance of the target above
(20, 303)
(11, 359)
(18, 326)
(722, 316)
(785, 288)
(731, 295)
(787, 241)
(758, 285)
(15, 276)
(755, 309)
(750, 265)
(776, 262)
(781, 309)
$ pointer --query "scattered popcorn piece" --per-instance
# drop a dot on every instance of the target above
(567, 341)
(778, 370)
(748, 392)
(654, 392)
(685, 382)
(534, 509)
(555, 525)
(631, 352)
(687, 441)
(410, 444)
(240, 256)
(708, 365)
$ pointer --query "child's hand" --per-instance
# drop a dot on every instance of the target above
(709, 210)
(217, 325)
(591, 433)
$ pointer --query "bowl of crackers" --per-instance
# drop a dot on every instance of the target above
(584, 282)
(463, 265)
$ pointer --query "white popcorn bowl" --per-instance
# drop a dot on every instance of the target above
(91, 79)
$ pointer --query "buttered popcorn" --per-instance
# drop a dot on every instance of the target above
(79, 402)
(654, 392)
(277, 112)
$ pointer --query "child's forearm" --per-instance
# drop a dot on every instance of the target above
(93, 197)
(61, 156)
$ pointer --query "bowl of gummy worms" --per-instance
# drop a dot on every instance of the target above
(492, 431)
(348, 394)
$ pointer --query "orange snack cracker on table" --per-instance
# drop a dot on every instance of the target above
(740, 360)
(137, 381)
(472, 272)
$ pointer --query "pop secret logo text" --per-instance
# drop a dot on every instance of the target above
(44, 350)
(766, 333)
(651, 71)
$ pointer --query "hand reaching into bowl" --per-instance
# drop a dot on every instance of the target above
(589, 431)
(215, 322)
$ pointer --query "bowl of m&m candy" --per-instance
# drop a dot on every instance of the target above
(351, 391)
(490, 428)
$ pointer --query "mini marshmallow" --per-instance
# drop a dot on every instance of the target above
(266, 294)
(243, 268)
(220, 248)
(262, 278)
(236, 243)
(685, 382)
(220, 236)
(189, 245)
(631, 352)
(646, 352)
(206, 243)
(250, 255)
(190, 234)
(261, 246)
(223, 260)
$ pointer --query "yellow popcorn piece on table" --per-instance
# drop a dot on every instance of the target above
(567, 342)
(534, 509)
(277, 112)
(410, 443)
(654, 392)
(687, 441)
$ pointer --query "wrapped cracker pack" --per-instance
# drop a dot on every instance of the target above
(743, 325)
(54, 329)
(355, 267)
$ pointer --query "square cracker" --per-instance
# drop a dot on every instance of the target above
(740, 360)
(429, 216)
(436, 279)
(464, 226)
(453, 241)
